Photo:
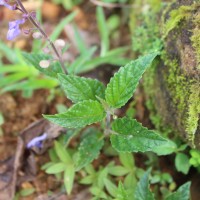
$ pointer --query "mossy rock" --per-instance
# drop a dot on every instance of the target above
(173, 84)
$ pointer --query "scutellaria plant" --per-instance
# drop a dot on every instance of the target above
(93, 103)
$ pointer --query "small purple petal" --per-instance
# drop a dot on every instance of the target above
(37, 141)
(13, 33)
(4, 3)
(14, 29)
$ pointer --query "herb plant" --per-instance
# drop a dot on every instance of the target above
(93, 115)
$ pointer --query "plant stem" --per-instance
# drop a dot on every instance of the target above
(43, 33)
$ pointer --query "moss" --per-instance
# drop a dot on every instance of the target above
(150, 91)
(177, 85)
(185, 96)
(196, 37)
(193, 112)
(176, 16)
(147, 29)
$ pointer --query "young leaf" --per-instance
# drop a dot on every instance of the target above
(133, 137)
(123, 84)
(110, 187)
(62, 153)
(117, 170)
(121, 192)
(142, 191)
(56, 168)
(79, 115)
(182, 163)
(69, 178)
(79, 88)
(127, 160)
(98, 193)
(183, 193)
(88, 150)
(34, 59)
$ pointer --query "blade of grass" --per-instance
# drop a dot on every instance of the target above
(103, 30)
(61, 25)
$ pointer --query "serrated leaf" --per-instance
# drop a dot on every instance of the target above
(79, 88)
(182, 163)
(183, 193)
(69, 178)
(56, 168)
(88, 150)
(79, 115)
(142, 191)
(62, 153)
(133, 137)
(34, 59)
(121, 87)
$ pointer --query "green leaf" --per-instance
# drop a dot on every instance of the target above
(113, 57)
(101, 176)
(79, 115)
(78, 64)
(88, 150)
(47, 165)
(166, 149)
(34, 59)
(121, 192)
(87, 180)
(69, 178)
(110, 187)
(123, 84)
(59, 28)
(78, 88)
(62, 153)
(118, 171)
(31, 85)
(56, 168)
(131, 136)
(127, 160)
(98, 193)
(142, 191)
(182, 163)
(183, 193)
(80, 43)
(26, 192)
(102, 26)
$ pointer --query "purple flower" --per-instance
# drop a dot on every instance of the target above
(37, 141)
(14, 29)
(5, 3)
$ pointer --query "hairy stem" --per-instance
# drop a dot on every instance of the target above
(43, 33)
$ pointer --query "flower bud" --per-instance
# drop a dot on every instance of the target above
(60, 43)
(44, 64)
(37, 35)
